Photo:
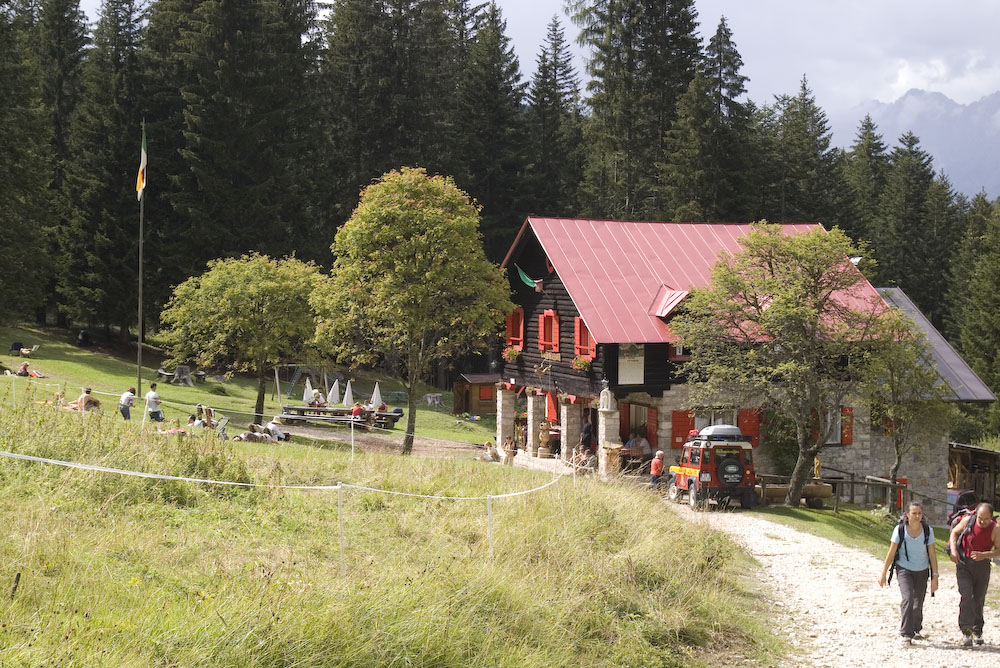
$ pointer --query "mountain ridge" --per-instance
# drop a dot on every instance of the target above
(963, 139)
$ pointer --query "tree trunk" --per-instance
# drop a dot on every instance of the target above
(411, 420)
(893, 472)
(800, 474)
(261, 391)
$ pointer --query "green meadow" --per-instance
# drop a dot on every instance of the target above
(116, 570)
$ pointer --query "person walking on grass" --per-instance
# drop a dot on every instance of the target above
(126, 402)
(153, 404)
(912, 551)
(976, 540)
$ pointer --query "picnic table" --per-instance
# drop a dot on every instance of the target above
(339, 415)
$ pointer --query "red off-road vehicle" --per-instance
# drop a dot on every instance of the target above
(715, 464)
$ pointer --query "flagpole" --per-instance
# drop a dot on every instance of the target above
(142, 206)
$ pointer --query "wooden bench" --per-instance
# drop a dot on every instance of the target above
(338, 415)
(163, 374)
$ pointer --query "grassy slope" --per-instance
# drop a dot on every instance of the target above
(122, 571)
(72, 368)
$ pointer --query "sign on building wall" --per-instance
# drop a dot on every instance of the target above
(631, 363)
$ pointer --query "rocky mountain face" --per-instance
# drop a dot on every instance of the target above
(964, 139)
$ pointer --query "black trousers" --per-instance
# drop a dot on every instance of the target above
(913, 588)
(973, 580)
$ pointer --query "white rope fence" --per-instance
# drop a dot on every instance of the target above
(339, 487)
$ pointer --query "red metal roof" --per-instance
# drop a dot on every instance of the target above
(624, 276)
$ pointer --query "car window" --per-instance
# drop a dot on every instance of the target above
(696, 456)
(684, 455)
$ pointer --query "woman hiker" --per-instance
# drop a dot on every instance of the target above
(916, 563)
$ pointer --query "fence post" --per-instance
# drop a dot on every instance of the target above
(836, 498)
(763, 490)
(489, 522)
(340, 525)
(852, 488)
(13, 391)
(352, 439)
(868, 487)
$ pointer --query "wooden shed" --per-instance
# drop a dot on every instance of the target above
(475, 393)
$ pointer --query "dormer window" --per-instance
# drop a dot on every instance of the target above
(548, 331)
(515, 329)
(584, 344)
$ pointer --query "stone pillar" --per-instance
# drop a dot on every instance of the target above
(536, 415)
(608, 440)
(608, 461)
(505, 415)
(570, 417)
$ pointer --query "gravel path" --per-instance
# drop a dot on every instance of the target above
(830, 606)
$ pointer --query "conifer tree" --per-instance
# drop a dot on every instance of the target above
(23, 169)
(247, 108)
(703, 176)
(980, 332)
(900, 223)
(492, 131)
(555, 128)
(971, 247)
(60, 41)
(865, 172)
(98, 278)
(643, 57)
(808, 180)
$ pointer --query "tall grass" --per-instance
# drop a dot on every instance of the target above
(123, 571)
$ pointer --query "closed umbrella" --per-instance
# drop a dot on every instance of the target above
(307, 394)
(348, 395)
(376, 396)
(334, 397)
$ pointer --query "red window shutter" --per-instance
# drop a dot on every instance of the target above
(576, 335)
(541, 332)
(652, 424)
(623, 419)
(551, 414)
(847, 425)
(748, 420)
(681, 422)
(485, 392)
(515, 329)
(555, 331)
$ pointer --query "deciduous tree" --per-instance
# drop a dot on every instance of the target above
(783, 325)
(410, 284)
(902, 387)
(244, 314)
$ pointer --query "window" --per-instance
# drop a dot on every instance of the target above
(485, 392)
(705, 418)
(515, 329)
(679, 353)
(696, 456)
(834, 418)
(583, 343)
(548, 331)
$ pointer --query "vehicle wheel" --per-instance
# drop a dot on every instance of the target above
(693, 496)
(673, 493)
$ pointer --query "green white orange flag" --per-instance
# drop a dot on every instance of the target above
(140, 180)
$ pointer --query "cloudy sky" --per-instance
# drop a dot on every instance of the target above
(850, 50)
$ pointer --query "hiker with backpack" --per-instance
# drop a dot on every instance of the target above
(975, 540)
(913, 558)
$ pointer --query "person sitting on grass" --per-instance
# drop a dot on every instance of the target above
(23, 370)
(274, 429)
(254, 437)
(85, 402)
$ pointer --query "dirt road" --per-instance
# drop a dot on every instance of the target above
(832, 610)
